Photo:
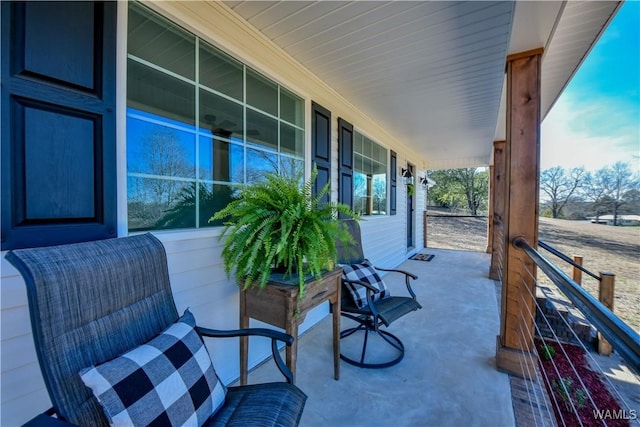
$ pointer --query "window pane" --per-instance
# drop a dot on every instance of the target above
(357, 142)
(262, 129)
(375, 151)
(291, 140)
(158, 41)
(160, 94)
(379, 194)
(155, 149)
(220, 160)
(160, 203)
(220, 72)
(213, 197)
(220, 116)
(291, 167)
(367, 147)
(262, 93)
(291, 108)
(360, 200)
(259, 163)
(370, 177)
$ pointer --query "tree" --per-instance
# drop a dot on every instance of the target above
(161, 156)
(622, 185)
(611, 187)
(560, 185)
(597, 189)
(455, 187)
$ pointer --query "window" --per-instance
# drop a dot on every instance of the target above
(369, 176)
(199, 124)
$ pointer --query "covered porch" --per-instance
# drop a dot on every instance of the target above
(425, 80)
(448, 376)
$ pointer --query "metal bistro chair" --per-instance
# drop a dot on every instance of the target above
(92, 302)
(366, 300)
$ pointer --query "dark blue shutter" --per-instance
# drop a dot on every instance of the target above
(393, 172)
(58, 122)
(321, 147)
(345, 162)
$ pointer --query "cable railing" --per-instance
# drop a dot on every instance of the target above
(565, 258)
(570, 398)
(624, 339)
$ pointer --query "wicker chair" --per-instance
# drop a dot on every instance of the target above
(371, 314)
(91, 302)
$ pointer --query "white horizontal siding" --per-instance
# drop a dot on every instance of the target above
(22, 388)
(20, 409)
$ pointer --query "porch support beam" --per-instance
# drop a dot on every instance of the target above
(514, 353)
(497, 190)
(490, 216)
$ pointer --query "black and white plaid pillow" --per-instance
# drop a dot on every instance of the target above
(168, 381)
(365, 273)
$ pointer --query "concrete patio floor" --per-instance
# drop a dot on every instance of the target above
(448, 375)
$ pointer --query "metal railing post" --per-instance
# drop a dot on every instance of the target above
(606, 297)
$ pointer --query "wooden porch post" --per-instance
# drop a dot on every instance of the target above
(490, 216)
(496, 206)
(515, 343)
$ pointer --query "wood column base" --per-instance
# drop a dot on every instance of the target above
(520, 363)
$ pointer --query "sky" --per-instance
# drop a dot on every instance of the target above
(596, 121)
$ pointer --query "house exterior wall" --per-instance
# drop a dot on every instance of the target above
(196, 271)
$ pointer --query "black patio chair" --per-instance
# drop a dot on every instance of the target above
(91, 302)
(366, 300)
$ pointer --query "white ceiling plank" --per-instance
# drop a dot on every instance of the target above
(431, 72)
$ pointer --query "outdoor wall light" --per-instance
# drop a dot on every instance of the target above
(426, 183)
(407, 176)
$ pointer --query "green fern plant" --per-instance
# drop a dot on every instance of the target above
(278, 224)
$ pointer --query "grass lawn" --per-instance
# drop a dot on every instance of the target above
(604, 248)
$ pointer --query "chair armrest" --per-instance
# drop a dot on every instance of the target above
(370, 290)
(275, 336)
(232, 333)
(361, 283)
(406, 273)
(407, 278)
(46, 420)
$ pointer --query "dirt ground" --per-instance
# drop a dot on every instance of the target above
(604, 248)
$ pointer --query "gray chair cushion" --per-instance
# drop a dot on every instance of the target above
(261, 405)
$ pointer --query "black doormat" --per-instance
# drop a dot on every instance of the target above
(422, 257)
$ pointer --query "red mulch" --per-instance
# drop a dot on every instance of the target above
(592, 381)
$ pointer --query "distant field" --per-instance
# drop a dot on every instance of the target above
(604, 248)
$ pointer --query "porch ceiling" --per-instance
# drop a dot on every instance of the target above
(431, 72)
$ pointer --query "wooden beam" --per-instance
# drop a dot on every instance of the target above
(525, 54)
(521, 207)
(497, 206)
(490, 216)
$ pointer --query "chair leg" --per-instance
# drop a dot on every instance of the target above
(388, 337)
